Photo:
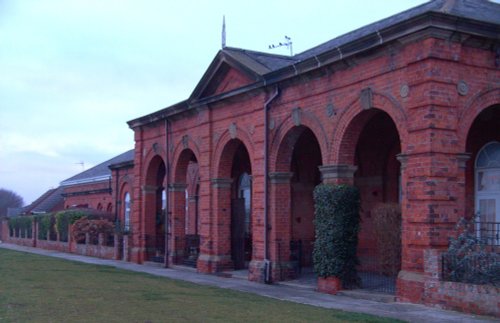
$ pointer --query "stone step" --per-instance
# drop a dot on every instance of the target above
(152, 264)
(368, 295)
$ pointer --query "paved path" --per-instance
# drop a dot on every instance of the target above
(403, 311)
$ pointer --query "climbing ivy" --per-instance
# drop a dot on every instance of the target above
(337, 226)
(22, 225)
(45, 222)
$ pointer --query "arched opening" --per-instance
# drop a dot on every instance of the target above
(378, 179)
(241, 207)
(186, 208)
(306, 157)
(109, 208)
(155, 207)
(99, 207)
(483, 174)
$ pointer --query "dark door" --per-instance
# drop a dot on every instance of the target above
(238, 233)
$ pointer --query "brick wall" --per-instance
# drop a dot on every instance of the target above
(90, 195)
(477, 299)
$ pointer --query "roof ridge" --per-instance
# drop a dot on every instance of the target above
(260, 53)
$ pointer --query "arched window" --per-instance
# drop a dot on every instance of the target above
(99, 207)
(109, 208)
(126, 215)
(487, 173)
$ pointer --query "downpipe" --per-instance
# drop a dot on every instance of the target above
(267, 262)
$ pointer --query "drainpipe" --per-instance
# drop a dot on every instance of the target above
(117, 177)
(267, 262)
(167, 194)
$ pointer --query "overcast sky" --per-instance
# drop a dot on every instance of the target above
(73, 72)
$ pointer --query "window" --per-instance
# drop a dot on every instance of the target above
(126, 216)
(487, 173)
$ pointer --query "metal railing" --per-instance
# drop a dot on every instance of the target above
(488, 232)
(475, 268)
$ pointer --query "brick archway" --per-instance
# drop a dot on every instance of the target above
(352, 121)
(286, 135)
(295, 162)
(184, 192)
(153, 219)
(233, 212)
(225, 149)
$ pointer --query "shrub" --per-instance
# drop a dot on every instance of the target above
(93, 227)
(64, 219)
(337, 226)
(387, 224)
(468, 259)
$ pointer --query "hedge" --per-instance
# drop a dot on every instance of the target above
(22, 225)
(337, 226)
(45, 223)
(64, 219)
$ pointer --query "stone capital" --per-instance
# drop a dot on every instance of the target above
(462, 159)
(148, 189)
(224, 183)
(403, 160)
(177, 187)
(337, 171)
(280, 177)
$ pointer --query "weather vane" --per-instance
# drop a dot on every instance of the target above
(287, 43)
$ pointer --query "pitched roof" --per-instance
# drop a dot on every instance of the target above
(265, 69)
(479, 10)
(260, 62)
(100, 172)
(52, 200)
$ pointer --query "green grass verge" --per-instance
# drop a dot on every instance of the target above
(35, 288)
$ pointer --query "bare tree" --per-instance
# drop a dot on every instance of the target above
(9, 199)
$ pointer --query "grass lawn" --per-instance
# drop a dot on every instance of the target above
(43, 289)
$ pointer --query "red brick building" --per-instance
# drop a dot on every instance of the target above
(401, 108)
(100, 186)
(407, 109)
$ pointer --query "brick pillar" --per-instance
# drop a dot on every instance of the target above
(177, 222)
(143, 227)
(338, 174)
(116, 246)
(280, 223)
(220, 257)
(125, 251)
(33, 232)
(433, 191)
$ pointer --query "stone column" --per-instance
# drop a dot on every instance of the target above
(220, 257)
(280, 224)
(177, 222)
(338, 174)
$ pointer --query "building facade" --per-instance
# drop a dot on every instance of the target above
(407, 109)
(402, 108)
